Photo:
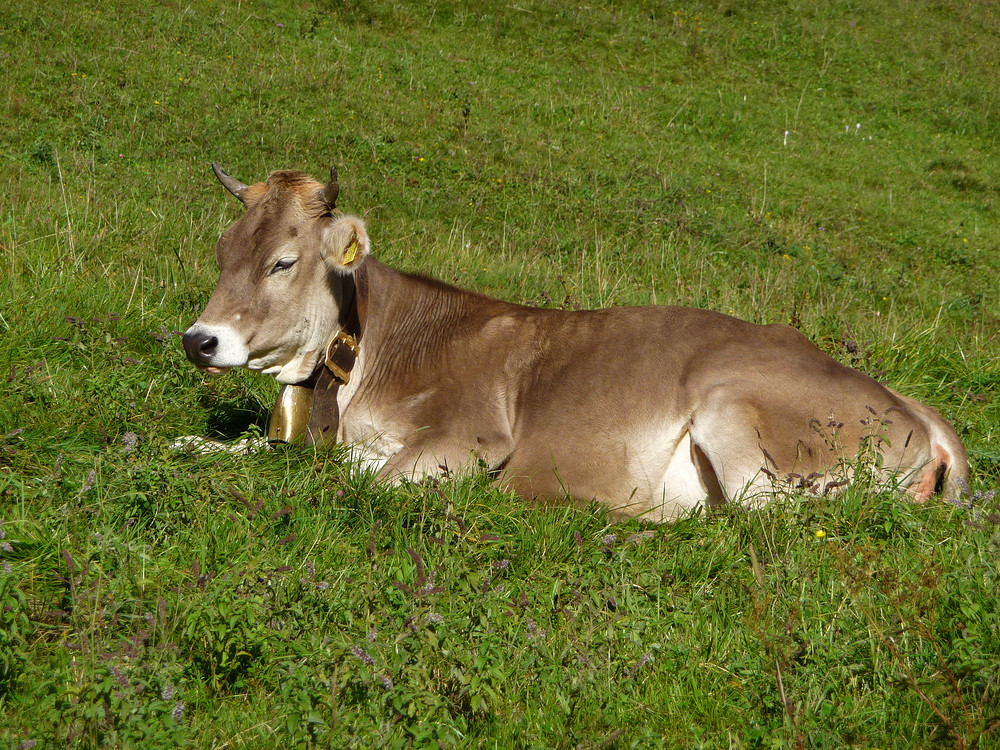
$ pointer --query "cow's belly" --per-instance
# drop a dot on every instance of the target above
(654, 476)
(647, 471)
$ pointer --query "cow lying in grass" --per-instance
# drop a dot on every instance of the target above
(652, 411)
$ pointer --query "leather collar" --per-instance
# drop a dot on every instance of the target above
(343, 350)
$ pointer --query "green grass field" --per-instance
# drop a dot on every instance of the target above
(830, 164)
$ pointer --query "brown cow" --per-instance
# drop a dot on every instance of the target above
(652, 411)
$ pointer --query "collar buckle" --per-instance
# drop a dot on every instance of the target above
(341, 355)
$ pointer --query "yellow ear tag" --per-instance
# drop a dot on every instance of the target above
(351, 253)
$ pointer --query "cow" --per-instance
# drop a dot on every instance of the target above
(653, 412)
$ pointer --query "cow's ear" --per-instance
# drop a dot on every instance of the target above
(345, 244)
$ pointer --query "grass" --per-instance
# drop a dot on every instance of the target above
(827, 164)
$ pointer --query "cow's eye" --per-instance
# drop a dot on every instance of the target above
(283, 265)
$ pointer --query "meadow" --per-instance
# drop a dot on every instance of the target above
(830, 164)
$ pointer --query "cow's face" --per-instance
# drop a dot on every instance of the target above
(281, 269)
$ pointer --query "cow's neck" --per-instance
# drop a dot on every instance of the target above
(407, 319)
(396, 319)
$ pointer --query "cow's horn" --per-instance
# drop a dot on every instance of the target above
(231, 184)
(332, 190)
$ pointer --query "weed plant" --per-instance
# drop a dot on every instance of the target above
(829, 165)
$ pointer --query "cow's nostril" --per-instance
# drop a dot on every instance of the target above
(200, 347)
(209, 345)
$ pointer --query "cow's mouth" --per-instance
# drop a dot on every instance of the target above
(212, 369)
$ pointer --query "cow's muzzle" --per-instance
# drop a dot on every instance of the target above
(215, 348)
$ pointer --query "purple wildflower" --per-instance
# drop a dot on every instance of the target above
(429, 587)
(646, 659)
(608, 543)
(386, 682)
(130, 440)
(120, 678)
(167, 693)
(178, 713)
(256, 509)
(535, 632)
(363, 655)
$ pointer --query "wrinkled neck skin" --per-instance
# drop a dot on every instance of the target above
(406, 316)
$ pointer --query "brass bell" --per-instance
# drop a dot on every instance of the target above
(290, 416)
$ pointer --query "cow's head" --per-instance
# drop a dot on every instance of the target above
(282, 268)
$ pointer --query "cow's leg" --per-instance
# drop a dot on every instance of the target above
(428, 453)
(930, 479)
(754, 450)
(417, 463)
(734, 453)
(409, 465)
(675, 480)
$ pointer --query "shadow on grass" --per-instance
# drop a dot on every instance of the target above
(230, 419)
